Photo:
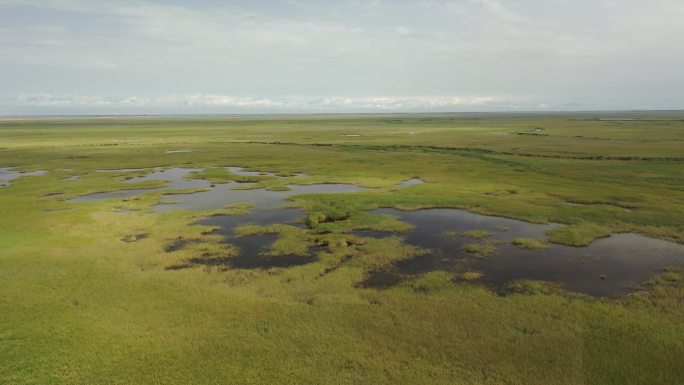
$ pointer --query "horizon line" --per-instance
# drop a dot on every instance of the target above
(500, 112)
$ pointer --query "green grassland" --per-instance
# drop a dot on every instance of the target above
(88, 294)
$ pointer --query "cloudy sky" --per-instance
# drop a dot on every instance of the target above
(211, 56)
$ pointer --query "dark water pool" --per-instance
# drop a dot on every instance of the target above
(268, 209)
(608, 267)
(253, 248)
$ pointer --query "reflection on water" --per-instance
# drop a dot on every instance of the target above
(609, 266)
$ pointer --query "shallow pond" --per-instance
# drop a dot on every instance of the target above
(226, 194)
(174, 176)
(8, 174)
(215, 196)
(241, 171)
(252, 247)
(268, 210)
(611, 266)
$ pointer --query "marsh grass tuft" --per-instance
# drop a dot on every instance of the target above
(577, 235)
(481, 250)
(450, 234)
(471, 276)
(431, 282)
(532, 287)
(529, 243)
(134, 237)
(477, 234)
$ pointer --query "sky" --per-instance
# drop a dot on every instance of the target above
(211, 56)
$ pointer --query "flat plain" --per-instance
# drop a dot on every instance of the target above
(343, 249)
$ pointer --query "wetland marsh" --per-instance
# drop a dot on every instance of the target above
(431, 249)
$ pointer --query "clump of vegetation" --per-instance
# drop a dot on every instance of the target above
(484, 249)
(450, 234)
(317, 218)
(380, 253)
(314, 219)
(673, 276)
(529, 243)
(471, 276)
(346, 221)
(431, 282)
(134, 237)
(236, 209)
(477, 234)
(577, 235)
(665, 290)
(274, 184)
(502, 193)
(291, 240)
(537, 131)
(218, 175)
(533, 287)
(178, 244)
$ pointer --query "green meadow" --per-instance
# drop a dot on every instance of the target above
(90, 292)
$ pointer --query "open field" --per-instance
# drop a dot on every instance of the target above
(115, 291)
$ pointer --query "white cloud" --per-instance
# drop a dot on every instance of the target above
(556, 52)
(289, 104)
